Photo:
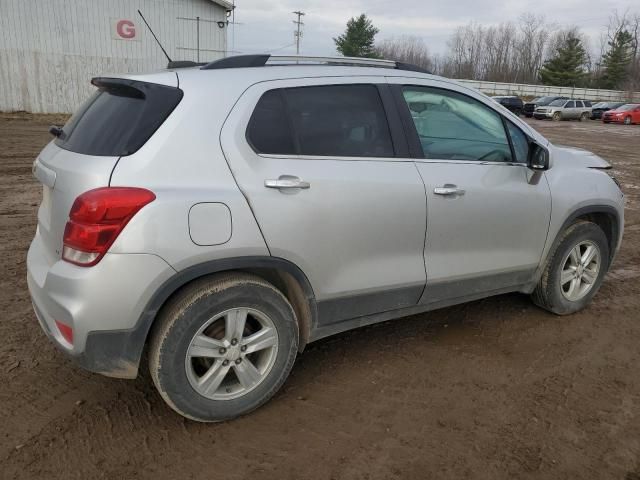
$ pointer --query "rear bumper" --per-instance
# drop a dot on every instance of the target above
(102, 304)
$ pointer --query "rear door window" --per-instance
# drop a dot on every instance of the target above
(118, 118)
(327, 120)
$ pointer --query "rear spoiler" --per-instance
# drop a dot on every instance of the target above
(120, 86)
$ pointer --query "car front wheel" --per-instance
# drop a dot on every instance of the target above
(627, 121)
(223, 346)
(557, 117)
(575, 270)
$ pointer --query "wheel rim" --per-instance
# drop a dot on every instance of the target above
(556, 116)
(580, 270)
(627, 120)
(231, 354)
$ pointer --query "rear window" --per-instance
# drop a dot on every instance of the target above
(118, 118)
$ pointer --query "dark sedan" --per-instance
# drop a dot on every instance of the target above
(600, 108)
(512, 103)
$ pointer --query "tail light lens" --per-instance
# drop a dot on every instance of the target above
(66, 331)
(96, 219)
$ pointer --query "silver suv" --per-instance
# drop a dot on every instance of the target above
(564, 109)
(222, 217)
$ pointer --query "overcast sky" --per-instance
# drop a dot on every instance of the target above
(267, 26)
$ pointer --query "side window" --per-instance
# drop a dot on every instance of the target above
(587, 103)
(579, 104)
(269, 130)
(570, 105)
(340, 120)
(452, 126)
(520, 143)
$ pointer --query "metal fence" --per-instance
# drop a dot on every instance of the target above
(522, 90)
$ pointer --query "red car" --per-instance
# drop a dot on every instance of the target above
(627, 114)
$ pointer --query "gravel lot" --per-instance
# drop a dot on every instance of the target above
(488, 390)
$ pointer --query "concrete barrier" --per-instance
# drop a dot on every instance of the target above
(523, 90)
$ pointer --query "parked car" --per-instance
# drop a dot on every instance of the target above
(601, 107)
(222, 233)
(530, 107)
(564, 110)
(512, 103)
(627, 114)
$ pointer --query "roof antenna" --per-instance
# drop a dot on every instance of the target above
(156, 38)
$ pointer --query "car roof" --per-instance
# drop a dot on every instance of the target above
(256, 68)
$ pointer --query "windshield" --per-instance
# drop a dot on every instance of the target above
(543, 100)
(557, 103)
(600, 105)
(626, 108)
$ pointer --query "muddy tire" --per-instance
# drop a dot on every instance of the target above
(223, 346)
(575, 270)
(557, 116)
(584, 117)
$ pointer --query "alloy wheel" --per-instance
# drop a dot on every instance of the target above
(231, 354)
(580, 270)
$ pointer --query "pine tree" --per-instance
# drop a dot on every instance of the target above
(566, 67)
(357, 40)
(617, 60)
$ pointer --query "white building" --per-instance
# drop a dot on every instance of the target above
(50, 49)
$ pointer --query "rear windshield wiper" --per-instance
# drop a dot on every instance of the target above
(55, 130)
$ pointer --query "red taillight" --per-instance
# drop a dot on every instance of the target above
(96, 219)
(66, 331)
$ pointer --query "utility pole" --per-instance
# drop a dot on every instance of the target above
(297, 34)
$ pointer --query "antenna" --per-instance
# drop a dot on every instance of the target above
(154, 36)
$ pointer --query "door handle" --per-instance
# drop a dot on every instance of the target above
(286, 181)
(448, 189)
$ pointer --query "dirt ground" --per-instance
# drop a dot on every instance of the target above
(488, 390)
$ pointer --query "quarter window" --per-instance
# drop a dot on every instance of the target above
(329, 120)
(519, 141)
(452, 126)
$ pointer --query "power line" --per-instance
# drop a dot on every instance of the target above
(297, 34)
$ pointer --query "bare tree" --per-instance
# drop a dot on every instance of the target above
(512, 52)
(408, 49)
(532, 41)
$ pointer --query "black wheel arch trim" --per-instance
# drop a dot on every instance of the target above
(579, 212)
(118, 353)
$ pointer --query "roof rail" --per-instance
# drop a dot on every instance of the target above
(183, 64)
(242, 61)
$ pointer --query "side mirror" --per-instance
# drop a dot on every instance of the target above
(538, 157)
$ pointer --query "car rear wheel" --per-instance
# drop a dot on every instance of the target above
(557, 116)
(575, 269)
(223, 347)
(584, 117)
(627, 120)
